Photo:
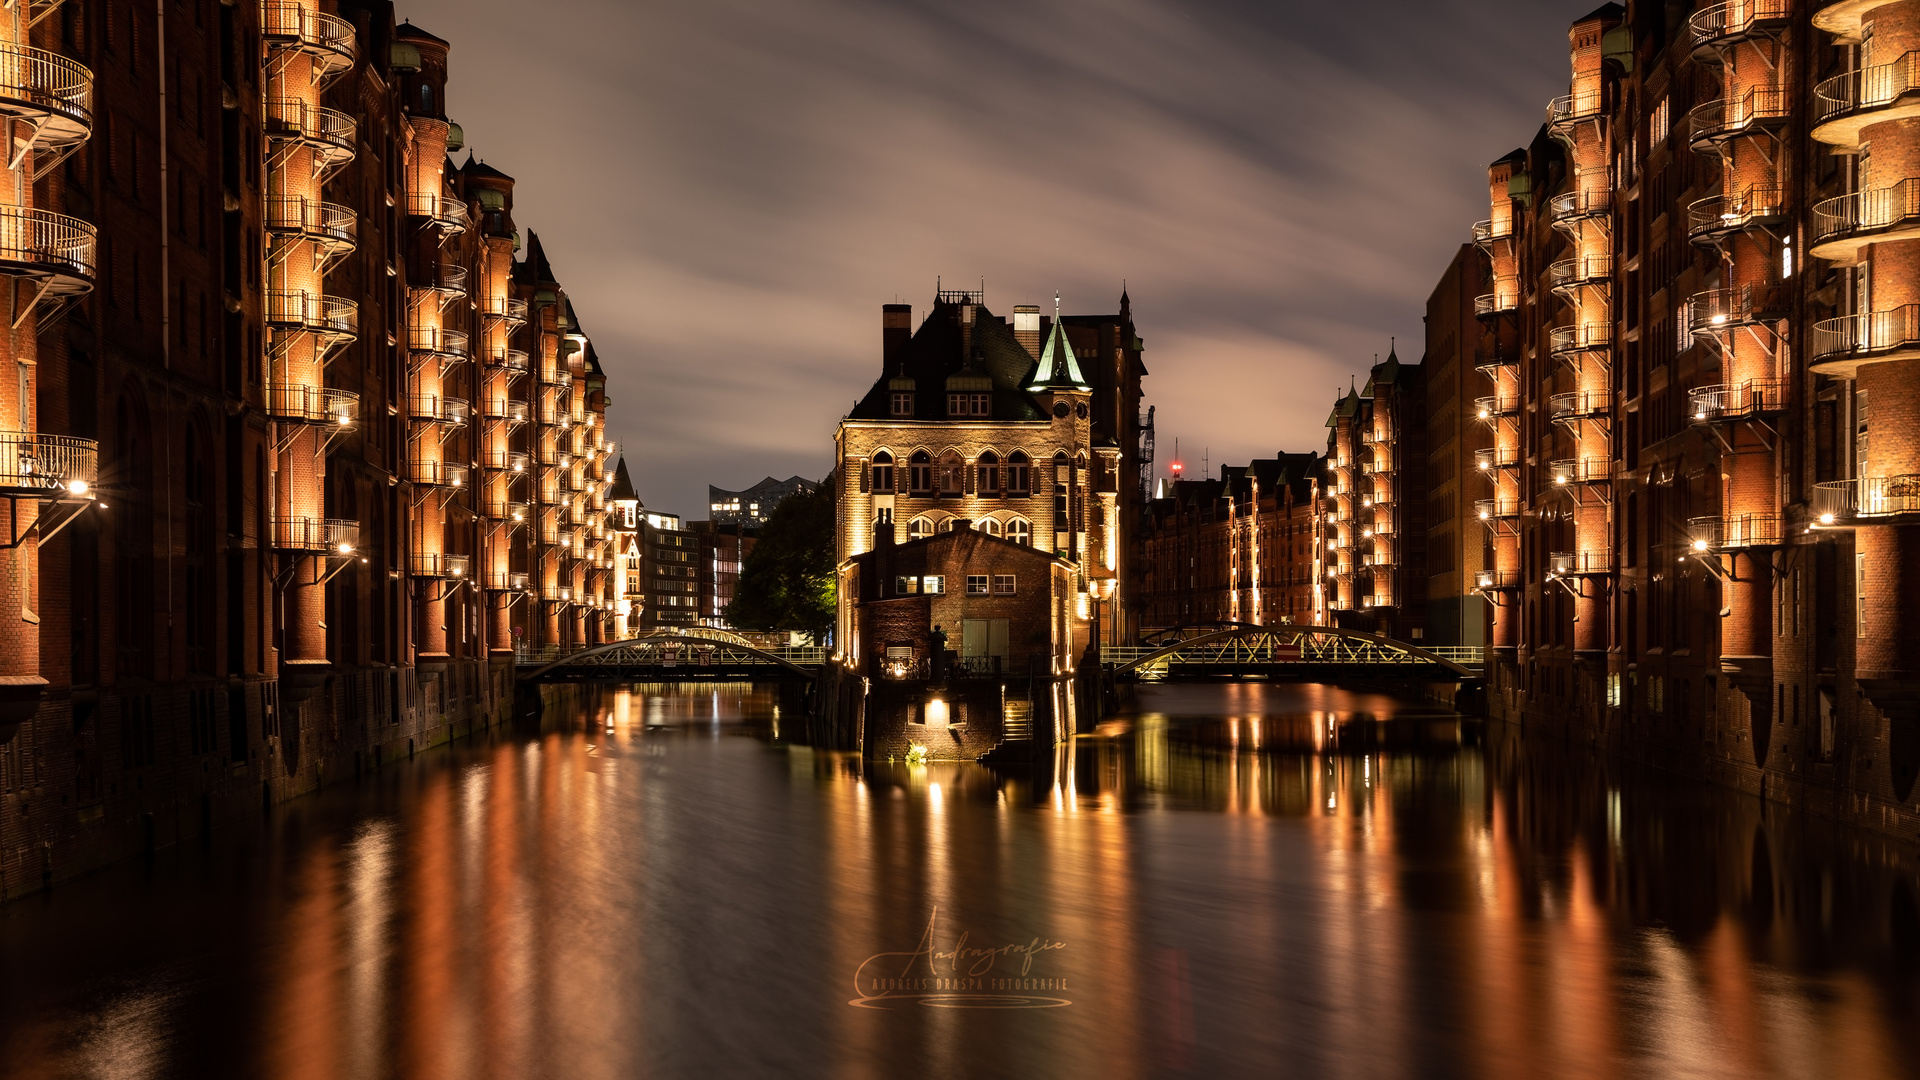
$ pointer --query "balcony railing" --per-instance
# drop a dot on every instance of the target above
(1494, 509)
(1496, 303)
(1496, 580)
(1568, 109)
(311, 313)
(1717, 215)
(1578, 563)
(507, 581)
(1834, 501)
(1568, 471)
(1866, 214)
(330, 224)
(1759, 108)
(1496, 457)
(1719, 402)
(40, 243)
(1716, 310)
(554, 455)
(48, 466)
(439, 565)
(298, 403)
(442, 212)
(558, 375)
(1868, 89)
(508, 510)
(514, 461)
(1878, 496)
(512, 410)
(1735, 531)
(1571, 207)
(1489, 361)
(335, 536)
(1496, 405)
(514, 360)
(445, 474)
(436, 409)
(1724, 24)
(50, 89)
(327, 38)
(509, 308)
(449, 278)
(1580, 405)
(555, 594)
(1868, 336)
(1583, 337)
(441, 342)
(1584, 270)
(329, 133)
(1486, 232)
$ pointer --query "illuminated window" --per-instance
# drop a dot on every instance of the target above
(1020, 531)
(906, 586)
(920, 473)
(919, 527)
(988, 526)
(883, 473)
(988, 473)
(933, 584)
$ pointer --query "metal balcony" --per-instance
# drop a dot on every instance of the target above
(1729, 24)
(1579, 563)
(54, 249)
(1840, 346)
(1569, 274)
(1883, 496)
(1569, 209)
(1762, 108)
(429, 564)
(335, 228)
(509, 308)
(304, 312)
(1496, 457)
(1580, 405)
(558, 375)
(335, 536)
(1842, 226)
(443, 474)
(511, 360)
(1495, 406)
(50, 95)
(1485, 233)
(1733, 532)
(448, 279)
(1715, 311)
(1720, 403)
(555, 594)
(510, 410)
(554, 455)
(1490, 510)
(508, 510)
(297, 403)
(1491, 362)
(329, 133)
(1497, 580)
(1834, 503)
(507, 581)
(448, 215)
(48, 466)
(1579, 338)
(437, 409)
(327, 39)
(513, 461)
(447, 344)
(1712, 219)
(1845, 104)
(1571, 471)
(1567, 110)
(1494, 304)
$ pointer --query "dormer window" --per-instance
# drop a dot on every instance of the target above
(903, 403)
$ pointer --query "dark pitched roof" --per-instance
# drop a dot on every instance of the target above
(936, 351)
(533, 269)
(622, 484)
(476, 167)
(406, 31)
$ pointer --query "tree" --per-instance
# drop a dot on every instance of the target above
(787, 582)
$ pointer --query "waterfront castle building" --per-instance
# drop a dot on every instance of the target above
(305, 439)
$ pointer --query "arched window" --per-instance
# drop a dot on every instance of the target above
(953, 474)
(883, 473)
(1020, 531)
(426, 100)
(920, 473)
(1019, 474)
(919, 528)
(989, 473)
(945, 526)
(988, 526)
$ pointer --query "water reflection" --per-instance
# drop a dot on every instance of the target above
(1244, 879)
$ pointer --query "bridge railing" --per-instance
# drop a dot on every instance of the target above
(1311, 650)
(683, 653)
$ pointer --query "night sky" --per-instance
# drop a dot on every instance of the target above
(730, 189)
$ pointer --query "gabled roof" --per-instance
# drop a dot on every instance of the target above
(534, 269)
(476, 167)
(406, 31)
(939, 349)
(622, 483)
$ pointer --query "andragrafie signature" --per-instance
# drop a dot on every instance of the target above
(965, 976)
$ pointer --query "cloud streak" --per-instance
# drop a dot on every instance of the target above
(730, 189)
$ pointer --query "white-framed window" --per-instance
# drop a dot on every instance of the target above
(1020, 531)
(933, 584)
(969, 405)
(953, 474)
(906, 585)
(920, 472)
(987, 473)
(1003, 584)
(988, 526)
(919, 527)
(903, 403)
(976, 584)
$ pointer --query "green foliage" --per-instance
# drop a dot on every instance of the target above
(788, 580)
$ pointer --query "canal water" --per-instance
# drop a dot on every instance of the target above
(1223, 881)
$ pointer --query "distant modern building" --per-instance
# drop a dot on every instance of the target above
(754, 505)
(669, 569)
(724, 547)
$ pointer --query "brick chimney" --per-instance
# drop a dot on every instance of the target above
(896, 329)
(1026, 328)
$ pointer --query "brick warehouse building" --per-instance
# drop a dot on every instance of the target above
(1699, 401)
(1371, 533)
(299, 444)
(1239, 548)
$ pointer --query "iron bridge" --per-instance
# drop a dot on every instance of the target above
(1307, 653)
(691, 655)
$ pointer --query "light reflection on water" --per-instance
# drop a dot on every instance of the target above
(1245, 879)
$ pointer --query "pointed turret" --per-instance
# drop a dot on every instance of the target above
(1059, 369)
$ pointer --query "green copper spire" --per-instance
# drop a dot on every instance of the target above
(1058, 369)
